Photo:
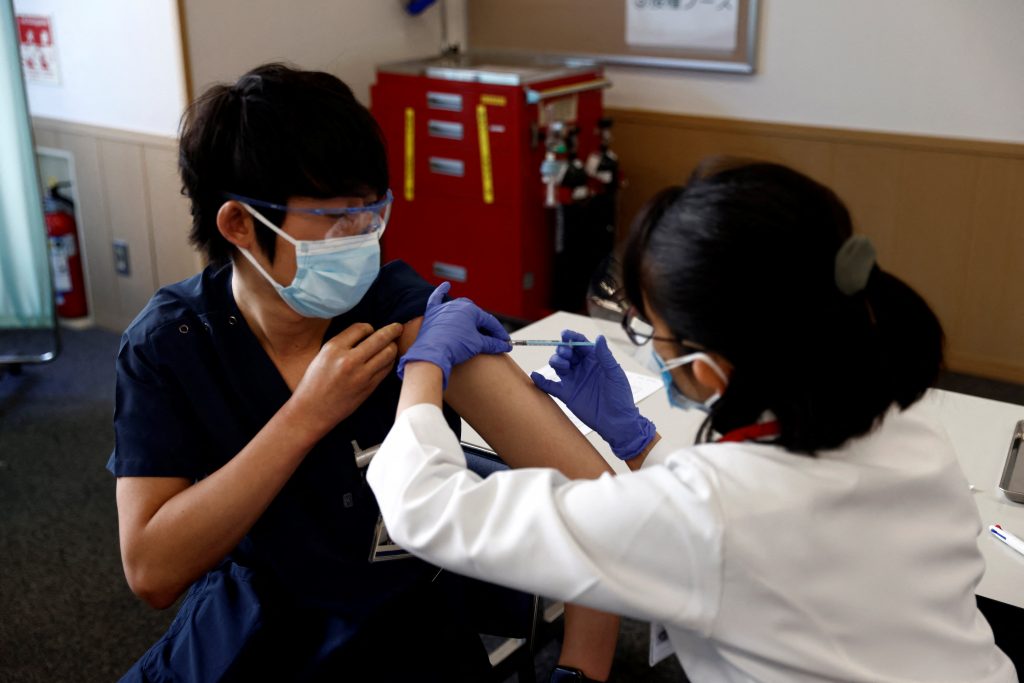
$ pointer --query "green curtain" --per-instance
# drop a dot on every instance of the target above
(26, 294)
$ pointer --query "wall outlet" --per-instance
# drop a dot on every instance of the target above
(121, 263)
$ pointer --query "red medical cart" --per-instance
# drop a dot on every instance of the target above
(466, 139)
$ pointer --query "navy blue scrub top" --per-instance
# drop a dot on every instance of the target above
(194, 386)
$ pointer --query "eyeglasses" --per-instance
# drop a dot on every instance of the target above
(350, 220)
(640, 331)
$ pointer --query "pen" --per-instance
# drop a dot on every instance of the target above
(548, 342)
(1007, 538)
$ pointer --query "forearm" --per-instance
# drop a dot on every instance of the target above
(166, 548)
(588, 641)
(638, 462)
(422, 384)
(519, 421)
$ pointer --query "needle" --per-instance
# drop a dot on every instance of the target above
(549, 342)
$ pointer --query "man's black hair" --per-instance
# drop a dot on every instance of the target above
(278, 132)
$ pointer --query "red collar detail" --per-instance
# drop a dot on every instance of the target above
(752, 432)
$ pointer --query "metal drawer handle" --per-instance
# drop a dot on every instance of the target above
(449, 271)
(445, 101)
(445, 129)
(452, 167)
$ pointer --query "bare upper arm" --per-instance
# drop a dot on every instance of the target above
(409, 332)
(519, 421)
(139, 498)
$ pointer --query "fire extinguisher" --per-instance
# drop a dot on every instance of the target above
(65, 256)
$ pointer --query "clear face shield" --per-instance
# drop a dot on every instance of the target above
(350, 221)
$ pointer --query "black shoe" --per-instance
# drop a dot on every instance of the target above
(567, 674)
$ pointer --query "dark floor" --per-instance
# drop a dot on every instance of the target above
(66, 613)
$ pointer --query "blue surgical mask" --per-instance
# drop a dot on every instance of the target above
(676, 398)
(331, 275)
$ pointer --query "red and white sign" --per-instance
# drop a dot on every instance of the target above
(38, 52)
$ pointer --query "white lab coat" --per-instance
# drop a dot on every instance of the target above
(857, 565)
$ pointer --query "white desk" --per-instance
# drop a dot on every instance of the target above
(980, 430)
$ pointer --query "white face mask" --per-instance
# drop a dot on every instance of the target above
(332, 275)
(676, 398)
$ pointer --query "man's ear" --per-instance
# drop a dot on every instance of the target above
(707, 376)
(236, 225)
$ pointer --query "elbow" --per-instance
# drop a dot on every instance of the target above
(403, 532)
(157, 600)
(398, 533)
(150, 588)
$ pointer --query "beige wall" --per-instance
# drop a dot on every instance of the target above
(120, 64)
(226, 38)
(948, 68)
(128, 190)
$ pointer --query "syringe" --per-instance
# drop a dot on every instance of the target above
(549, 342)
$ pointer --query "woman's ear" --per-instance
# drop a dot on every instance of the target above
(235, 224)
(706, 375)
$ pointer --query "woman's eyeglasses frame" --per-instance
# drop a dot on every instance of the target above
(639, 338)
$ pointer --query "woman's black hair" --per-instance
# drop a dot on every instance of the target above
(278, 132)
(742, 261)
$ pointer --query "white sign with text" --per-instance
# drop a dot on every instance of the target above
(38, 51)
(683, 24)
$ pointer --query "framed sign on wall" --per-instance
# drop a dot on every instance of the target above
(707, 35)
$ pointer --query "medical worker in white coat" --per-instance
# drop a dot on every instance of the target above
(821, 528)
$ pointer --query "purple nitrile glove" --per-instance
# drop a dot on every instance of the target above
(594, 387)
(453, 332)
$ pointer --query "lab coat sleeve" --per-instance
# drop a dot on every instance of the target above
(644, 544)
(658, 455)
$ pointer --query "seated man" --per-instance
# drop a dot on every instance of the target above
(246, 393)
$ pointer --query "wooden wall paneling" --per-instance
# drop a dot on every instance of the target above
(94, 228)
(650, 162)
(655, 158)
(664, 154)
(811, 157)
(865, 178)
(992, 317)
(128, 189)
(932, 236)
(44, 137)
(129, 220)
(169, 215)
(946, 215)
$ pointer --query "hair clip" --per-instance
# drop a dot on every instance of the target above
(854, 262)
